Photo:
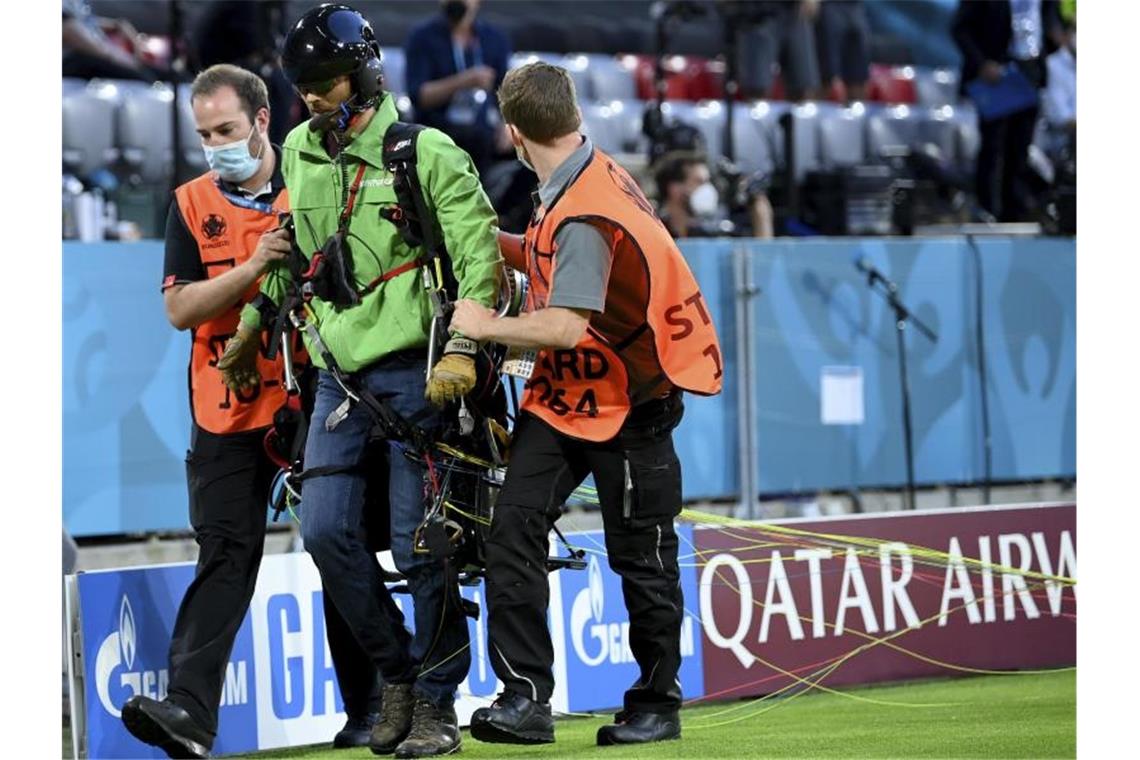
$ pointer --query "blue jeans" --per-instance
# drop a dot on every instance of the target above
(331, 516)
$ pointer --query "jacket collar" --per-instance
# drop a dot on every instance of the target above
(364, 147)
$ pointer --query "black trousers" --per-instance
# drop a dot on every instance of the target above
(638, 478)
(229, 478)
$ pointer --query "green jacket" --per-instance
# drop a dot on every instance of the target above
(397, 314)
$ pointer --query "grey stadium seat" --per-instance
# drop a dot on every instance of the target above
(938, 127)
(579, 67)
(891, 129)
(191, 144)
(601, 122)
(936, 87)
(969, 138)
(628, 115)
(523, 58)
(612, 79)
(88, 129)
(805, 120)
(756, 136)
(143, 127)
(395, 67)
(842, 138)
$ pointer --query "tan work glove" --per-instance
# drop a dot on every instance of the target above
(239, 360)
(453, 376)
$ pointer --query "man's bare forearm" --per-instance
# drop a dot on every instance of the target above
(545, 328)
(197, 302)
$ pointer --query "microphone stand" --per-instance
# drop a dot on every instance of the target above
(889, 291)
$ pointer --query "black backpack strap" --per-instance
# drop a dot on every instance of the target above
(412, 215)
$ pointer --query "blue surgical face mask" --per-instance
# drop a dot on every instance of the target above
(232, 161)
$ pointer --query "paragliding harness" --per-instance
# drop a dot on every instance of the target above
(464, 461)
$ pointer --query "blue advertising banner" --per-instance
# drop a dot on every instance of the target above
(127, 617)
(599, 665)
(126, 415)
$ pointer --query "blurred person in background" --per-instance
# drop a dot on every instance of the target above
(374, 313)
(994, 34)
(689, 204)
(454, 64)
(778, 32)
(1059, 100)
(221, 236)
(247, 34)
(843, 39)
(89, 51)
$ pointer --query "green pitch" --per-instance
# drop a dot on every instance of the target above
(1006, 716)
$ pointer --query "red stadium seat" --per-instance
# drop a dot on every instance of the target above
(891, 84)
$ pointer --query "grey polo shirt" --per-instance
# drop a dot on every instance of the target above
(582, 266)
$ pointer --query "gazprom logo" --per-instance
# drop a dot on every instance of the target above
(116, 679)
(116, 676)
(597, 588)
(127, 632)
(596, 639)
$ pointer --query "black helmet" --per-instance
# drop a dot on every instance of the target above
(332, 40)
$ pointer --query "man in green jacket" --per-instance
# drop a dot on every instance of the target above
(373, 315)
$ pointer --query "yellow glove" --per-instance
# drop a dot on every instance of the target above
(239, 360)
(453, 376)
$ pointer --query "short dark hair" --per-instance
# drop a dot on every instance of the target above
(673, 167)
(251, 91)
(539, 100)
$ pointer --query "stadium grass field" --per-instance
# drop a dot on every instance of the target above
(1002, 716)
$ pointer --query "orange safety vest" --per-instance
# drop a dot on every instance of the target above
(656, 329)
(227, 235)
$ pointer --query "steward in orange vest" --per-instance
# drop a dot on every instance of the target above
(618, 329)
(226, 228)
(220, 238)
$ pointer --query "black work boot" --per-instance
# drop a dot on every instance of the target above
(435, 731)
(167, 726)
(396, 703)
(639, 728)
(356, 732)
(513, 719)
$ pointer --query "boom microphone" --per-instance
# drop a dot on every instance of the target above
(864, 265)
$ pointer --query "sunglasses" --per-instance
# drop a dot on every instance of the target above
(321, 88)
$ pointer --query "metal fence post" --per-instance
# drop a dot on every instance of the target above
(745, 291)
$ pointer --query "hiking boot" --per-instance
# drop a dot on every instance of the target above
(396, 704)
(435, 731)
(513, 719)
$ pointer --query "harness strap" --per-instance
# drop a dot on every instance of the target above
(407, 266)
(352, 191)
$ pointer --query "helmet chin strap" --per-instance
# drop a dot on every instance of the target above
(340, 117)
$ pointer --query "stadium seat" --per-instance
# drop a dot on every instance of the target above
(521, 59)
(756, 136)
(612, 78)
(601, 121)
(969, 139)
(191, 144)
(676, 81)
(628, 115)
(890, 129)
(143, 125)
(842, 135)
(935, 87)
(88, 129)
(579, 67)
(394, 68)
(891, 84)
(937, 127)
(805, 122)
